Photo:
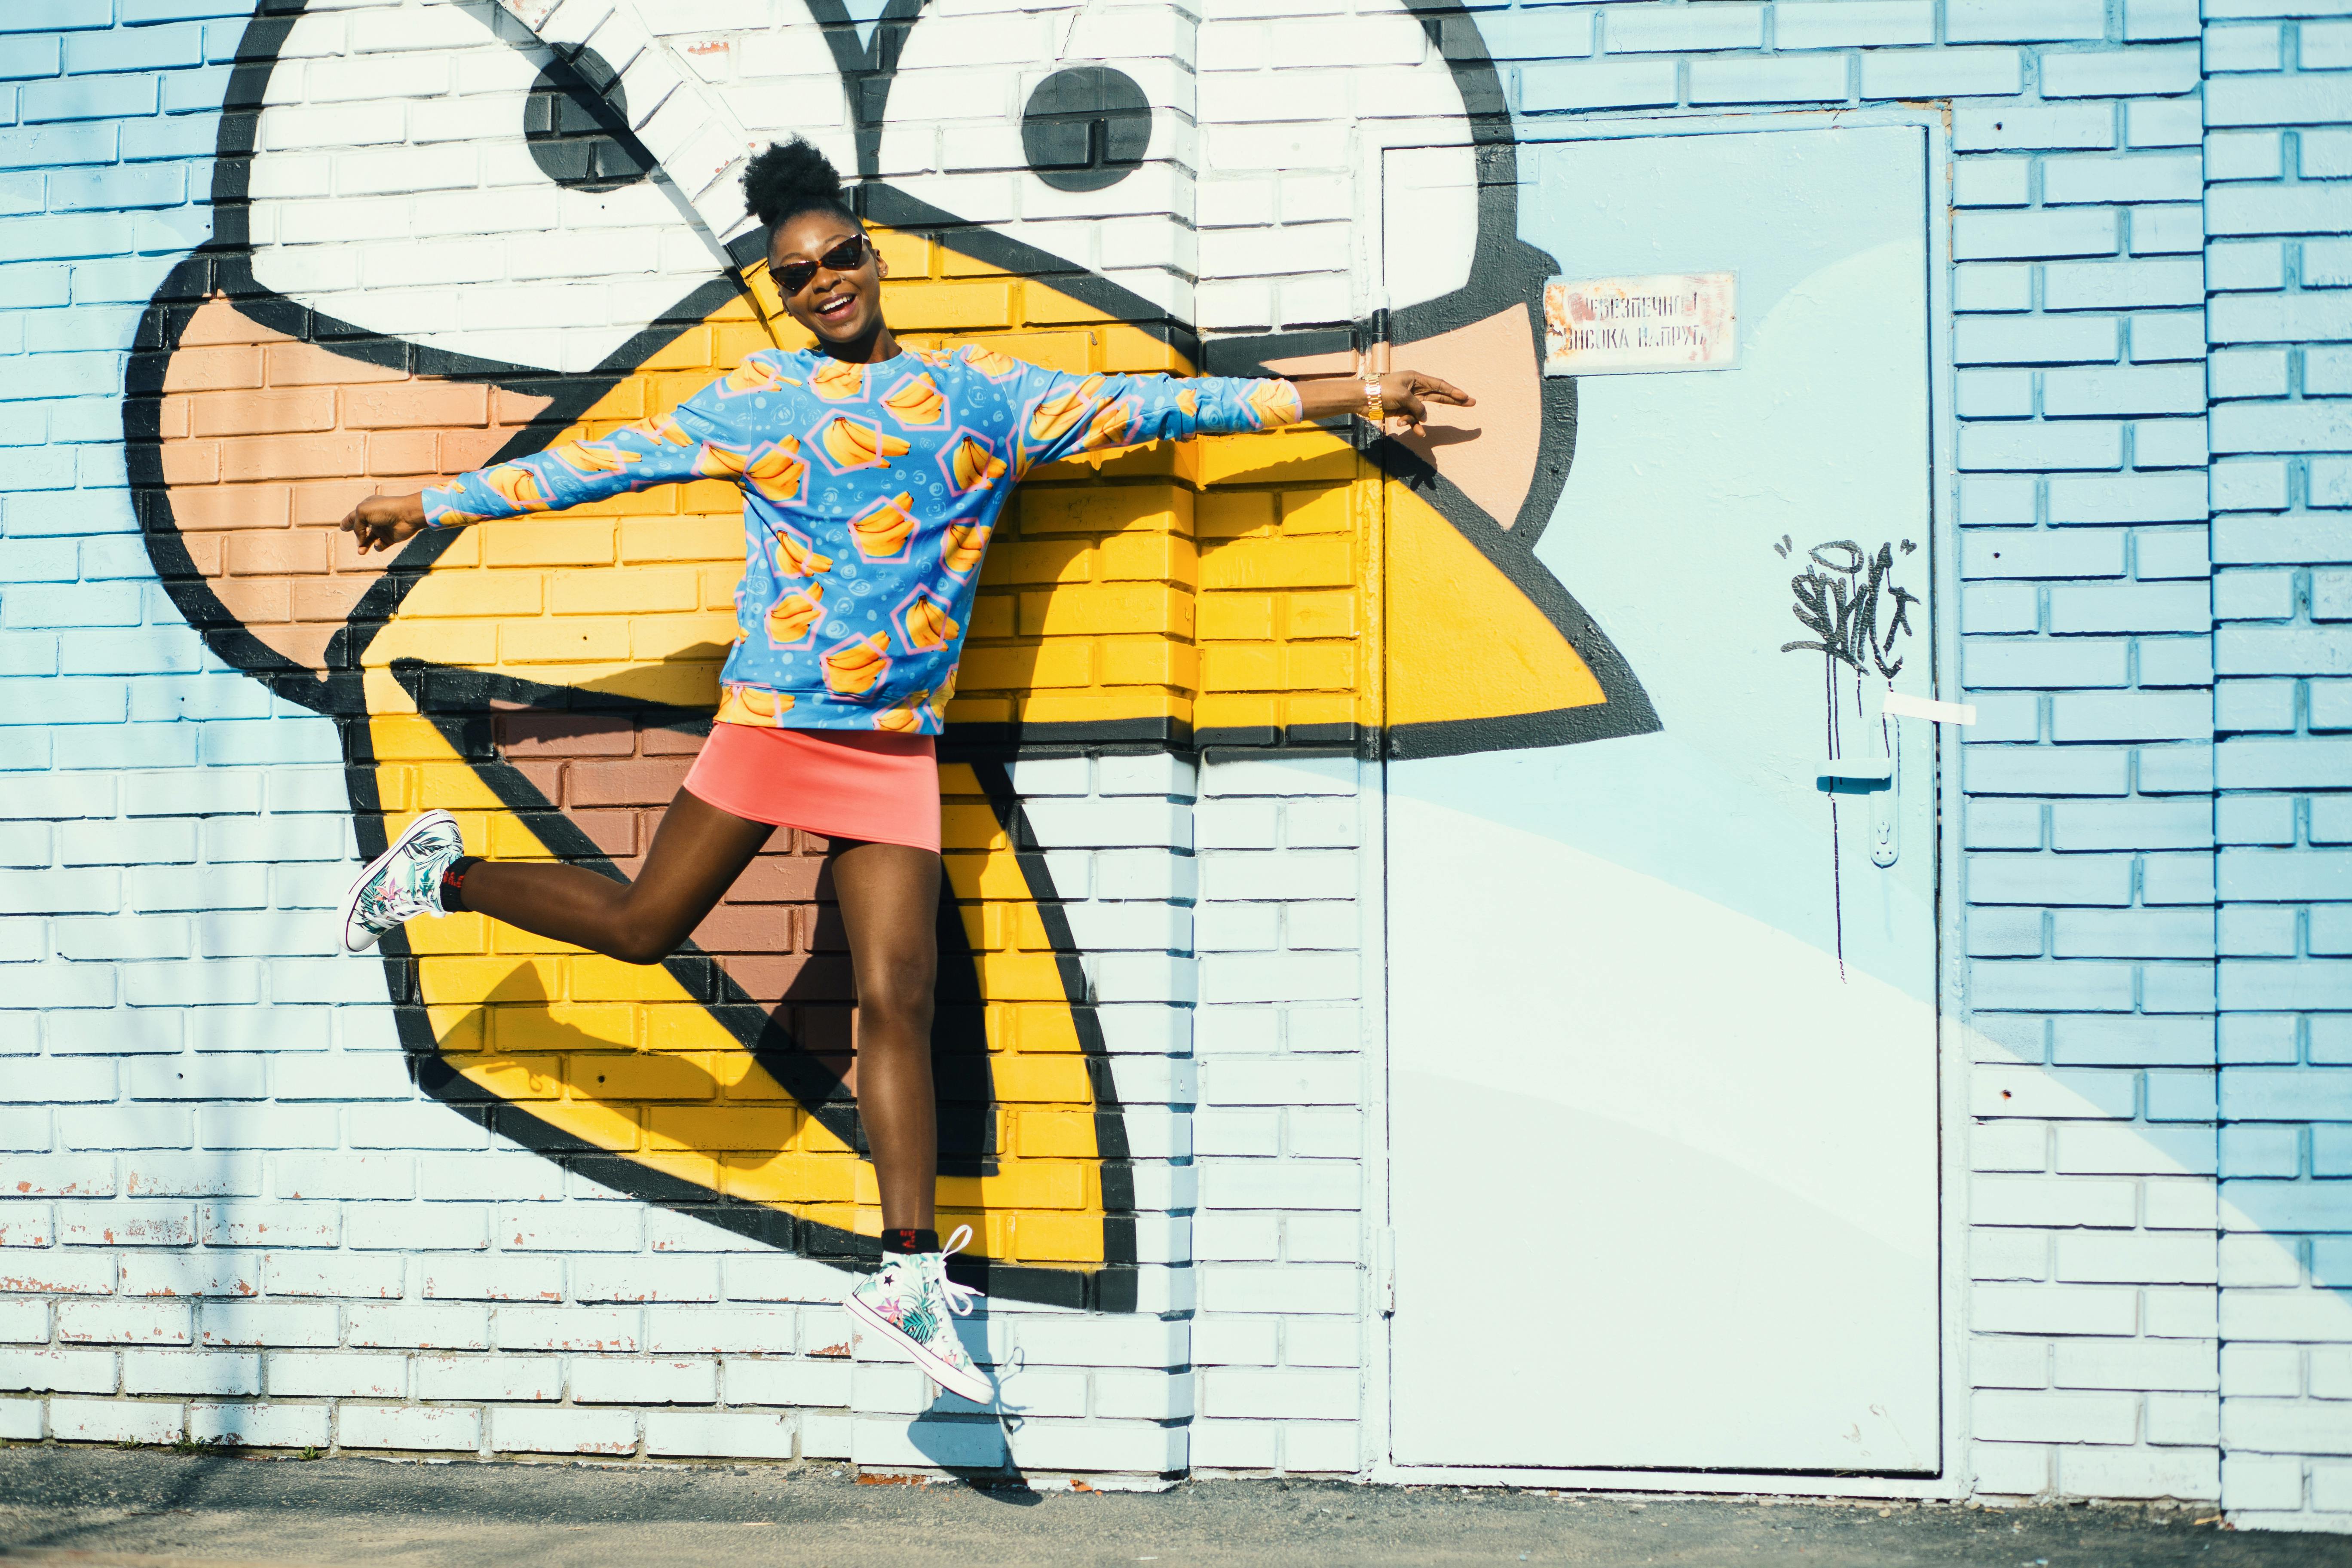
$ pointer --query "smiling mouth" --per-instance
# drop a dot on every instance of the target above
(837, 310)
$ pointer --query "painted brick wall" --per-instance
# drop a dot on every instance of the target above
(232, 1213)
(2276, 98)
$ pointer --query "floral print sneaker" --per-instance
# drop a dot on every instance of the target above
(912, 1303)
(402, 883)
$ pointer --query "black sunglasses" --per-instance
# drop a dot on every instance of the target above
(794, 276)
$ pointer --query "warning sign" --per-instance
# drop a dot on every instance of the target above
(1611, 326)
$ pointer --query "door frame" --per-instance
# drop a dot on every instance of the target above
(1952, 1481)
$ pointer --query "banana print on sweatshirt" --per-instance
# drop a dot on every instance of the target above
(870, 495)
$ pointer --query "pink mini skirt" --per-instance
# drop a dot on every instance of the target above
(864, 784)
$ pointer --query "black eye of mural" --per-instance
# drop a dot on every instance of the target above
(1086, 127)
(566, 140)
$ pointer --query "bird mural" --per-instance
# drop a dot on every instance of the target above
(450, 233)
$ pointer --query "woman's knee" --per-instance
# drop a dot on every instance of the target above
(643, 941)
(897, 992)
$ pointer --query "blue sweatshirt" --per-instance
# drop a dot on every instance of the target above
(870, 495)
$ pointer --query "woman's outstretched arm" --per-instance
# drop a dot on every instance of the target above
(690, 443)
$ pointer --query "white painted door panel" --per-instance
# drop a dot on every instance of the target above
(1661, 1028)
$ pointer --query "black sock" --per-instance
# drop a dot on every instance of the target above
(906, 1240)
(453, 883)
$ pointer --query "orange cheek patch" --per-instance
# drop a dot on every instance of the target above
(267, 442)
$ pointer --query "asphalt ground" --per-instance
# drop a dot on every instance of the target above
(153, 1509)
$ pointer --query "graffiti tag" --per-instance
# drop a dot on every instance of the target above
(1843, 597)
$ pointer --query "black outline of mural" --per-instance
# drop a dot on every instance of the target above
(1505, 271)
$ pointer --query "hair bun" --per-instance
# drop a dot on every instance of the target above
(791, 178)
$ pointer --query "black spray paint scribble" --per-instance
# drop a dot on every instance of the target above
(1844, 596)
(1840, 599)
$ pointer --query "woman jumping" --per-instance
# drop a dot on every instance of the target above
(872, 476)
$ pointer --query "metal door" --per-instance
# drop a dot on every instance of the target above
(1661, 989)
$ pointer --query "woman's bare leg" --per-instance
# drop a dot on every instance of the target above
(890, 896)
(696, 857)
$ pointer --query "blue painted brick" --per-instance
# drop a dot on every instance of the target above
(2008, 128)
(2130, 716)
(147, 185)
(2278, 100)
(2037, 552)
(88, 97)
(26, 843)
(2176, 770)
(2245, 594)
(2256, 819)
(232, 838)
(41, 985)
(2093, 607)
(199, 697)
(2118, 389)
(29, 57)
(2325, 371)
(2023, 21)
(1813, 79)
(2177, 879)
(2145, 20)
(2046, 770)
(2249, 373)
(29, 653)
(85, 329)
(66, 701)
(196, 886)
(2162, 552)
(2280, 210)
(1992, 608)
(2163, 123)
(2003, 824)
(2041, 664)
(2177, 987)
(1942, 73)
(2131, 1042)
(2048, 880)
(2331, 486)
(208, 792)
(2133, 933)
(122, 937)
(2119, 73)
(128, 652)
(2283, 765)
(33, 286)
(23, 749)
(2035, 339)
(2244, 48)
(2004, 933)
(1988, 501)
(2245, 155)
(2292, 876)
(2324, 315)
(59, 375)
(2179, 335)
(2331, 705)
(135, 12)
(1840, 24)
(2176, 230)
(2039, 985)
(116, 841)
(2042, 232)
(2122, 285)
(2176, 661)
(52, 798)
(2245, 707)
(2307, 426)
(2331, 818)
(85, 604)
(2005, 716)
(40, 561)
(309, 789)
(58, 893)
(288, 740)
(192, 983)
(2090, 826)
(127, 745)
(2319, 154)
(2127, 497)
(2162, 178)
(2256, 985)
(173, 136)
(1992, 286)
(2257, 485)
(41, 15)
(1599, 84)
(144, 48)
(1992, 182)
(1996, 394)
(2257, 930)
(2074, 444)
(197, 91)
(1673, 28)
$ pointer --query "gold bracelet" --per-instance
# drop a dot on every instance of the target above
(1375, 410)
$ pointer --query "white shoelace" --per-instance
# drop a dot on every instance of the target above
(959, 1298)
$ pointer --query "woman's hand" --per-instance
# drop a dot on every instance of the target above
(1404, 394)
(379, 522)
